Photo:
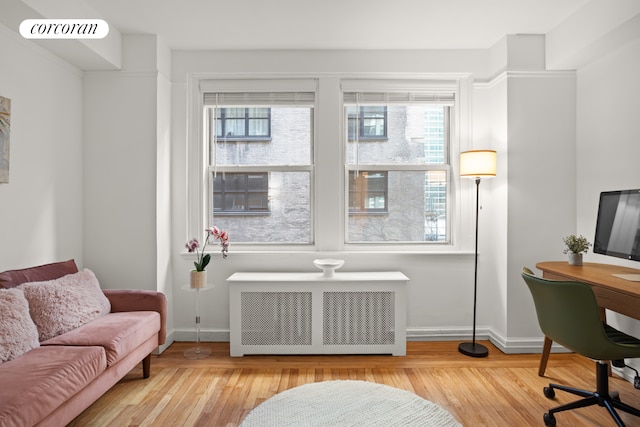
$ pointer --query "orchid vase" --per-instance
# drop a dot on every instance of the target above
(198, 279)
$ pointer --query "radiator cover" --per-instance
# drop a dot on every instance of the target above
(305, 313)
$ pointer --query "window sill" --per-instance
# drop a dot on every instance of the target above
(305, 251)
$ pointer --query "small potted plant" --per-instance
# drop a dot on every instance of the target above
(575, 247)
(198, 277)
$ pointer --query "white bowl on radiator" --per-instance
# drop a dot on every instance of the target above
(328, 265)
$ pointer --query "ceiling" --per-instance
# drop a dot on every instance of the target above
(333, 24)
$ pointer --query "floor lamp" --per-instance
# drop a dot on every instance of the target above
(476, 164)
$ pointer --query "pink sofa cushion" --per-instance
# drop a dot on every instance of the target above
(140, 300)
(38, 382)
(61, 305)
(13, 278)
(118, 333)
(18, 334)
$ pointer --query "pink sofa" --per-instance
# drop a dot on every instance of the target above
(53, 383)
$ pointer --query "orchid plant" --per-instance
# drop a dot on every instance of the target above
(202, 258)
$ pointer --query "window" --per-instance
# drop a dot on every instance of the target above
(398, 186)
(241, 193)
(367, 191)
(260, 164)
(383, 163)
(370, 123)
(243, 123)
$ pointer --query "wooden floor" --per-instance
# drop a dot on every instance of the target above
(500, 390)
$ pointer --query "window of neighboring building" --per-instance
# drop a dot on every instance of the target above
(243, 123)
(367, 191)
(398, 186)
(241, 193)
(369, 122)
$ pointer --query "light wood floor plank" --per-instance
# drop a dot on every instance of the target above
(219, 391)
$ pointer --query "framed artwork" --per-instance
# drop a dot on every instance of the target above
(5, 125)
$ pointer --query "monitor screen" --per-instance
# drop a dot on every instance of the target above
(618, 224)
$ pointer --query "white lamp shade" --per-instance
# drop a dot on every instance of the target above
(478, 164)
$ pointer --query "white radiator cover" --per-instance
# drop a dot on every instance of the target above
(306, 313)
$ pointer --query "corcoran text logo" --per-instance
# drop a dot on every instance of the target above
(64, 29)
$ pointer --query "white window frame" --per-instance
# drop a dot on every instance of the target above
(329, 114)
(406, 91)
(199, 170)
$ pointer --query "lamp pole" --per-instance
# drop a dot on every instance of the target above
(476, 164)
(472, 348)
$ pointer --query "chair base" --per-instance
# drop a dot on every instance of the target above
(600, 397)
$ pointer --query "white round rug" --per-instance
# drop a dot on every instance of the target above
(348, 404)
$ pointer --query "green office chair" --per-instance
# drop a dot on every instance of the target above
(568, 314)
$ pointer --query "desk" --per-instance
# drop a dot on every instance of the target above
(613, 293)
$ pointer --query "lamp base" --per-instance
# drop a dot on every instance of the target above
(473, 349)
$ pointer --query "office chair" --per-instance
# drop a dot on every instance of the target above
(568, 314)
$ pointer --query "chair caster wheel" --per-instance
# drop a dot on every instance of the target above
(549, 393)
(549, 419)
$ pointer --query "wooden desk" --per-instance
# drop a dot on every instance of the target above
(613, 293)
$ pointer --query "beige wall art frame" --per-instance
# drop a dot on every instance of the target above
(5, 125)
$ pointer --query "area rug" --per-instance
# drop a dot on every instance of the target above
(348, 404)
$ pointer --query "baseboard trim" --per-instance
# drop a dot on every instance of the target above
(517, 345)
(205, 335)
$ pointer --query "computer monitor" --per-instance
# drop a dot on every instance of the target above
(618, 224)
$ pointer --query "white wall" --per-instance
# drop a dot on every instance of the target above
(490, 124)
(41, 206)
(441, 286)
(163, 190)
(608, 132)
(120, 180)
(527, 114)
(125, 142)
(541, 183)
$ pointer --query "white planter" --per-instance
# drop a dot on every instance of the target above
(574, 259)
(198, 279)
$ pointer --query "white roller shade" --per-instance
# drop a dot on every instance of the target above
(376, 92)
(266, 92)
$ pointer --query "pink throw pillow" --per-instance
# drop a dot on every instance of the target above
(18, 334)
(13, 278)
(62, 305)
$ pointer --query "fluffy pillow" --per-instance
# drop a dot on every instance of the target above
(64, 304)
(18, 334)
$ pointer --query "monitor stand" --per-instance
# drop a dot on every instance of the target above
(630, 277)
